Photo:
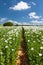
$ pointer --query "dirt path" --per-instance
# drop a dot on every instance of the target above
(22, 53)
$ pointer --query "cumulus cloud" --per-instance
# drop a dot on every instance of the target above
(34, 15)
(25, 23)
(36, 22)
(42, 19)
(2, 19)
(10, 21)
(19, 23)
(20, 6)
(13, 21)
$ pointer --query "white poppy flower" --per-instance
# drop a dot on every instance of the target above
(28, 40)
(40, 54)
(6, 41)
(12, 49)
(32, 48)
(6, 46)
(1, 53)
(41, 47)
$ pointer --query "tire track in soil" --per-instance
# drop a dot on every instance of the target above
(22, 53)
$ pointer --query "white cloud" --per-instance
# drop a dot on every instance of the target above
(33, 3)
(2, 19)
(20, 6)
(10, 21)
(25, 23)
(36, 22)
(13, 21)
(19, 23)
(33, 15)
(42, 19)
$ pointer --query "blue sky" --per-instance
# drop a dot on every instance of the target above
(21, 11)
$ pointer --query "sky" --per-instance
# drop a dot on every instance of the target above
(21, 11)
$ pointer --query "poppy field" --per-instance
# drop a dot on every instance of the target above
(10, 38)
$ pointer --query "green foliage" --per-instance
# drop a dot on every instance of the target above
(34, 41)
(10, 42)
(9, 45)
(16, 24)
(8, 24)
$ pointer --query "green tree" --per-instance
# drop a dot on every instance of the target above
(8, 24)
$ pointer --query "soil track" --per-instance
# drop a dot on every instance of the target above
(22, 53)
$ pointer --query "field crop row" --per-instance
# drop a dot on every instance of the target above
(34, 40)
(9, 45)
(10, 38)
